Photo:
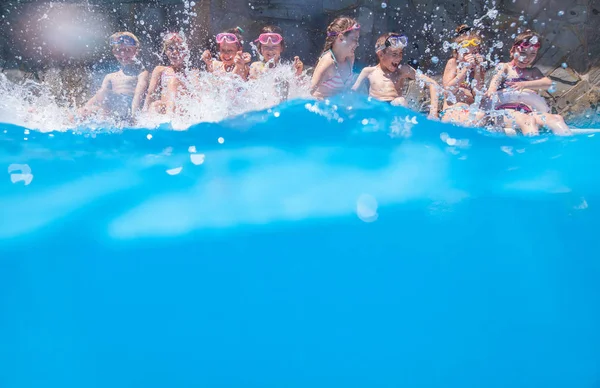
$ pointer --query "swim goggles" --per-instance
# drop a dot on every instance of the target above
(227, 37)
(172, 36)
(393, 41)
(526, 44)
(355, 27)
(269, 37)
(471, 42)
(123, 40)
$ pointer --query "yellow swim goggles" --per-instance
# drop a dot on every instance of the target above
(472, 42)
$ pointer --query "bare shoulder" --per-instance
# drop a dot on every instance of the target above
(158, 71)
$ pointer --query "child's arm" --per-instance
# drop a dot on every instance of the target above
(101, 94)
(241, 67)
(323, 67)
(433, 88)
(364, 74)
(172, 92)
(496, 79)
(207, 58)
(538, 81)
(298, 66)
(254, 72)
(453, 75)
(151, 96)
(140, 89)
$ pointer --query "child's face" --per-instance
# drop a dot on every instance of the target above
(125, 54)
(176, 54)
(464, 51)
(525, 57)
(349, 42)
(390, 58)
(227, 52)
(271, 51)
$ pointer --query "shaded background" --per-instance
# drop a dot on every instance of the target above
(65, 43)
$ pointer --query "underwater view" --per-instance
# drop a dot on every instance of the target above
(296, 221)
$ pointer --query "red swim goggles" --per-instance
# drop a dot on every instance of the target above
(355, 27)
(269, 37)
(227, 37)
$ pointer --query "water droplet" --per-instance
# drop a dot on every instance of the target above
(383, 5)
(366, 208)
(142, 22)
(276, 114)
(564, 65)
(561, 13)
(197, 159)
(174, 171)
(435, 60)
(148, 136)
(192, 149)
(221, 140)
(365, 121)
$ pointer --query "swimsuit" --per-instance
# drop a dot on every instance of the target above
(337, 84)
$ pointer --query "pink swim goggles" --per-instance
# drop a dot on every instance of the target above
(526, 45)
(269, 37)
(227, 37)
(355, 27)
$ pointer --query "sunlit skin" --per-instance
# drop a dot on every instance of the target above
(463, 78)
(343, 50)
(386, 80)
(176, 54)
(520, 75)
(232, 60)
(118, 88)
(271, 54)
(159, 98)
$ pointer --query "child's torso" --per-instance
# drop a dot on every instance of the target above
(386, 86)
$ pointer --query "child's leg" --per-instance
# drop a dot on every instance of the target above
(158, 107)
(524, 121)
(464, 117)
(399, 101)
(555, 123)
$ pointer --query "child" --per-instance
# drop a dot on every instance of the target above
(386, 80)
(270, 45)
(158, 98)
(512, 89)
(333, 73)
(122, 92)
(233, 60)
(463, 79)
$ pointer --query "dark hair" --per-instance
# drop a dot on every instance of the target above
(273, 30)
(525, 37)
(462, 29)
(336, 27)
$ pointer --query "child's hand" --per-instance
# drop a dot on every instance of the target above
(470, 60)
(298, 65)
(247, 57)
(206, 57)
(518, 86)
(238, 60)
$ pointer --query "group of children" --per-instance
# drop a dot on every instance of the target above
(510, 101)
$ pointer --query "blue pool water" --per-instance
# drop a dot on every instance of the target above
(301, 252)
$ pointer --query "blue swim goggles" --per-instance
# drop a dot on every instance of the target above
(123, 40)
(393, 41)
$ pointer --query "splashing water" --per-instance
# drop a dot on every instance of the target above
(207, 98)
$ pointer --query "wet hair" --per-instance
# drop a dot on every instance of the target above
(237, 31)
(381, 42)
(462, 33)
(272, 30)
(338, 26)
(525, 37)
(117, 35)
